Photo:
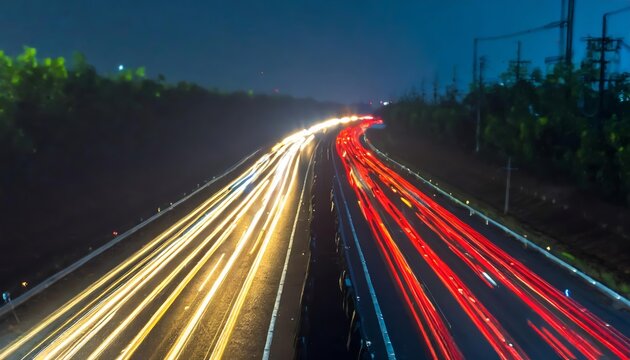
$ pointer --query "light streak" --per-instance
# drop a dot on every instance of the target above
(278, 208)
(575, 327)
(106, 309)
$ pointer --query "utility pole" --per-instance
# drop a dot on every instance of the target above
(602, 62)
(482, 66)
(570, 17)
(507, 185)
(601, 47)
(518, 64)
(476, 64)
(435, 89)
(567, 18)
(476, 89)
(423, 90)
(563, 30)
(452, 89)
(607, 44)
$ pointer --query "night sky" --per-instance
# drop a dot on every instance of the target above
(339, 50)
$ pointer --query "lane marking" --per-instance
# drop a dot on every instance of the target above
(286, 187)
(377, 309)
(214, 268)
(276, 306)
(599, 286)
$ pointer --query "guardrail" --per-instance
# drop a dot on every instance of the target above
(599, 286)
(340, 202)
(62, 273)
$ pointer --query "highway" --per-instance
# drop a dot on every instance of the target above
(432, 281)
(224, 279)
(209, 286)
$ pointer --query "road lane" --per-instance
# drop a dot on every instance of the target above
(204, 288)
(462, 287)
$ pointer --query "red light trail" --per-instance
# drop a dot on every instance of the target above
(568, 327)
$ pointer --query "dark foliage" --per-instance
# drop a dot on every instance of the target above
(549, 124)
(82, 153)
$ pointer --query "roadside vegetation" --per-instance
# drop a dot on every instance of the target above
(550, 124)
(56, 118)
(552, 127)
(83, 154)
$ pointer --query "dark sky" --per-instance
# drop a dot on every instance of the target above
(342, 50)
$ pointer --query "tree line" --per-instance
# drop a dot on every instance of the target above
(551, 124)
(60, 120)
(84, 153)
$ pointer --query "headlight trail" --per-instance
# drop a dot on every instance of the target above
(226, 233)
(188, 263)
(140, 257)
(277, 210)
(125, 293)
(193, 321)
(385, 198)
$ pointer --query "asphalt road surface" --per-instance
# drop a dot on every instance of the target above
(223, 279)
(434, 282)
(220, 282)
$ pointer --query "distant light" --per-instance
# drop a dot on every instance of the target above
(385, 103)
(115, 233)
(548, 248)
(121, 67)
(24, 284)
(467, 202)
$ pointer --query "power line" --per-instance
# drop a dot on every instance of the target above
(551, 25)
(476, 81)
